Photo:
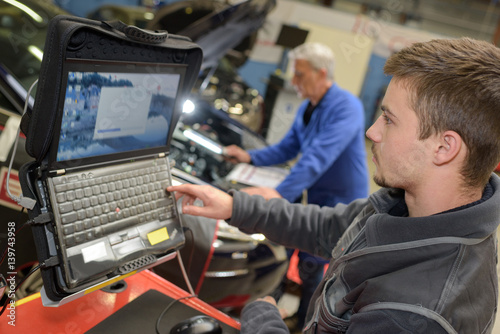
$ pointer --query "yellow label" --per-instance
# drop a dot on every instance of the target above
(158, 236)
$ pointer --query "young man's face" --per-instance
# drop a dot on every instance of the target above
(305, 79)
(399, 156)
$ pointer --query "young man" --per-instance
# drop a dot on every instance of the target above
(328, 133)
(418, 256)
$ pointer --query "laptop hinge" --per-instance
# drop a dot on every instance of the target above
(57, 172)
(60, 171)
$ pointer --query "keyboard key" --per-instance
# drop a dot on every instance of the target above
(89, 235)
(69, 241)
(87, 224)
(79, 193)
(97, 232)
(101, 199)
(94, 200)
(61, 198)
(142, 199)
(81, 214)
(96, 190)
(119, 225)
(68, 229)
(78, 226)
(103, 219)
(105, 208)
(85, 203)
(65, 207)
(162, 175)
(89, 212)
(61, 187)
(70, 195)
(77, 204)
(79, 237)
(96, 221)
(126, 213)
(69, 217)
(97, 210)
(87, 191)
(104, 188)
(58, 180)
(111, 217)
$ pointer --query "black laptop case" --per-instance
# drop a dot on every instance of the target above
(72, 41)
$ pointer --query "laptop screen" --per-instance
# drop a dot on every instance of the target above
(116, 110)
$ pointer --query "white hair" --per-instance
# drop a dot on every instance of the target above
(318, 55)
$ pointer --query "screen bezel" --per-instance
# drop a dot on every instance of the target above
(79, 65)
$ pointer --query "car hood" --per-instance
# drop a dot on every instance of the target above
(217, 26)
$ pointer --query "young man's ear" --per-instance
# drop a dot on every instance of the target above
(448, 147)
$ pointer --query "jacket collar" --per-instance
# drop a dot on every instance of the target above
(390, 223)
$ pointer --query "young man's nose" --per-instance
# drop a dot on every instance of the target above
(373, 133)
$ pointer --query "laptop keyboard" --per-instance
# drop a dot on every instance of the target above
(96, 206)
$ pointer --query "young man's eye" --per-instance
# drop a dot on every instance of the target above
(387, 120)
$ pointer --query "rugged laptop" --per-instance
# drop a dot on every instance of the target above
(108, 98)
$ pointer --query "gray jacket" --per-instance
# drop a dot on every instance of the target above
(388, 273)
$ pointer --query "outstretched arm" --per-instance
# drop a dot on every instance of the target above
(216, 203)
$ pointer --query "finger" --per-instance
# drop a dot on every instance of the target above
(177, 195)
(183, 188)
(187, 200)
(203, 211)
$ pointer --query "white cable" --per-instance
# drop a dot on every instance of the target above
(26, 202)
(184, 274)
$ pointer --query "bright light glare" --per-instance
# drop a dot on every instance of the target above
(26, 9)
(258, 237)
(203, 141)
(149, 16)
(188, 107)
(36, 52)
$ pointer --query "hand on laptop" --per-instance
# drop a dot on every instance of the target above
(216, 203)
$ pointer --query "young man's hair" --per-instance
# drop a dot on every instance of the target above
(317, 55)
(454, 84)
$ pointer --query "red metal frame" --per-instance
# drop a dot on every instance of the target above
(84, 313)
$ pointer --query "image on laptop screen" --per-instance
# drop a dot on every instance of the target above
(116, 110)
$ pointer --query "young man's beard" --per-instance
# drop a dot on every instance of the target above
(380, 181)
